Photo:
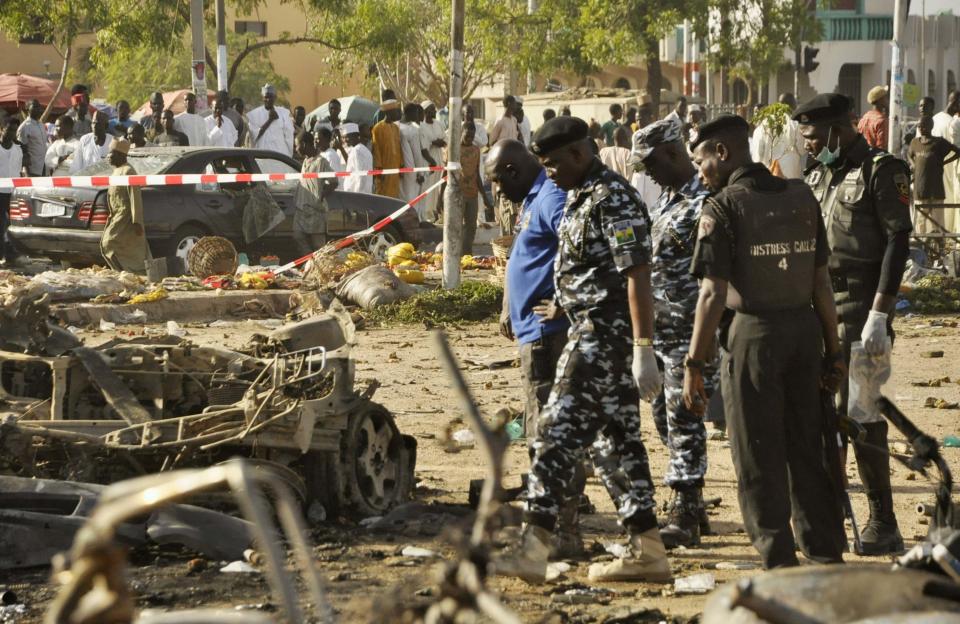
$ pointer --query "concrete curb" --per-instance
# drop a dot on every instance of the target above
(189, 307)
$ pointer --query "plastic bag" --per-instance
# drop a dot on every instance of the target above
(868, 373)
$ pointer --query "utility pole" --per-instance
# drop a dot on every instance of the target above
(532, 6)
(453, 199)
(924, 87)
(198, 69)
(221, 48)
(896, 76)
(686, 58)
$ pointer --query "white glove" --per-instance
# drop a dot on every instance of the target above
(645, 372)
(874, 334)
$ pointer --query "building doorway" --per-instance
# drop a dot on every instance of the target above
(849, 84)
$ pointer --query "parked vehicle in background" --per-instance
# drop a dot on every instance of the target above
(65, 224)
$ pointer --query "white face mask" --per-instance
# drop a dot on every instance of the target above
(826, 156)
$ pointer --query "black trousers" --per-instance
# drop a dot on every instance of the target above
(770, 385)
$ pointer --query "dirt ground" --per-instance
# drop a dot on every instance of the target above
(361, 566)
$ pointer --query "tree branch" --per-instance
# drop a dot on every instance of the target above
(63, 80)
(253, 47)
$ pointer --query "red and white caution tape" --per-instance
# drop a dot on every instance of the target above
(200, 178)
(352, 239)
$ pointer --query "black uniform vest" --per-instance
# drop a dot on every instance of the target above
(775, 243)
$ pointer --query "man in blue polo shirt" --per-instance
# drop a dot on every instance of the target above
(527, 316)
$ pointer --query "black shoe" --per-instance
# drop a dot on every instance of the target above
(881, 535)
(682, 526)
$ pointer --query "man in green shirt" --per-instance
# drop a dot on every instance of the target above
(609, 128)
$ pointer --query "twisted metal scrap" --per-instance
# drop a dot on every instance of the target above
(462, 586)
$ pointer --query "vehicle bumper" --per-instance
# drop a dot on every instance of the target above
(57, 243)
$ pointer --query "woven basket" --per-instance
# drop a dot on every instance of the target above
(501, 250)
(212, 255)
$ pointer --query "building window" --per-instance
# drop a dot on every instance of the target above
(741, 92)
(951, 81)
(258, 29)
(911, 77)
(931, 83)
(621, 83)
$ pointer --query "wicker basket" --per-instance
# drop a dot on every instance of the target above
(212, 255)
(501, 250)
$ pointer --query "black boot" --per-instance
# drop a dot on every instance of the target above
(704, 521)
(682, 527)
(880, 535)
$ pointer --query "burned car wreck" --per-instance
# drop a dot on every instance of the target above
(129, 408)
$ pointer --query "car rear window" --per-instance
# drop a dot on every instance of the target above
(143, 164)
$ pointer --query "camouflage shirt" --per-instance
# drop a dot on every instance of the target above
(674, 235)
(605, 230)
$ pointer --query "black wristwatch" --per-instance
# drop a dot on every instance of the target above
(689, 362)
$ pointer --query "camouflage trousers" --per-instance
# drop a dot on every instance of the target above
(681, 431)
(594, 394)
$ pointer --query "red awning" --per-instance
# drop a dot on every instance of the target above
(18, 89)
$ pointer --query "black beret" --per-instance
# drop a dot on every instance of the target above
(722, 123)
(824, 108)
(558, 132)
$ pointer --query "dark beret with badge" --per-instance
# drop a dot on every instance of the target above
(722, 124)
(558, 132)
(823, 109)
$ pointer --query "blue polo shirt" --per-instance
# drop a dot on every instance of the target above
(530, 269)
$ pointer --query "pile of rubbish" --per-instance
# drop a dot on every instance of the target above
(74, 284)
(934, 293)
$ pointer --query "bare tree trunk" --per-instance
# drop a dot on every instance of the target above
(63, 79)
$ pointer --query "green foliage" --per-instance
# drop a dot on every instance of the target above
(132, 73)
(935, 294)
(472, 301)
(775, 116)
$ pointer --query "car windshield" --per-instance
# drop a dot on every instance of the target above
(143, 164)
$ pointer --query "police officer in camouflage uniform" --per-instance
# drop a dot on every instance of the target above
(761, 250)
(658, 149)
(602, 278)
(864, 194)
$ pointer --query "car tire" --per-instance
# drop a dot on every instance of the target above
(183, 240)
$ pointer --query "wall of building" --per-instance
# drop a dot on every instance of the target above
(303, 64)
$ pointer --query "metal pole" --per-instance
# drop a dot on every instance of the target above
(923, 49)
(896, 76)
(198, 69)
(532, 6)
(221, 48)
(453, 199)
(686, 58)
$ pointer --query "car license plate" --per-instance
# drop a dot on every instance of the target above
(51, 210)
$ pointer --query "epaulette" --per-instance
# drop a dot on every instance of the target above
(881, 156)
(600, 192)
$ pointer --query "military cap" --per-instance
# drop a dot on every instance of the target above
(824, 108)
(647, 138)
(721, 124)
(557, 133)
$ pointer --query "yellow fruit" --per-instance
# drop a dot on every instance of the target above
(410, 276)
(408, 263)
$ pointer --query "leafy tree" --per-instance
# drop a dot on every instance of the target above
(133, 73)
(60, 23)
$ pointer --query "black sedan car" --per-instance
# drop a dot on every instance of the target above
(66, 223)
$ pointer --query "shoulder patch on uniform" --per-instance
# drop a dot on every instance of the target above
(902, 182)
(706, 227)
(623, 233)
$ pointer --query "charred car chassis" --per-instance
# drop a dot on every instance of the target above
(130, 408)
